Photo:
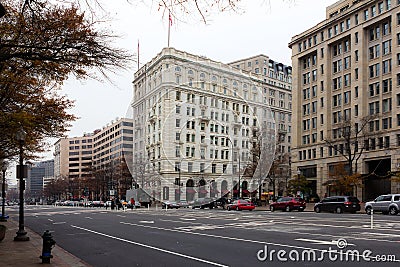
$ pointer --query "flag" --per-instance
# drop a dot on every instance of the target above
(170, 19)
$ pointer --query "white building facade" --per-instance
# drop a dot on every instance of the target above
(195, 123)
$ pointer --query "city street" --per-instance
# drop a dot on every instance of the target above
(187, 237)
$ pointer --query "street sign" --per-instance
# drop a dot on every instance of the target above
(24, 171)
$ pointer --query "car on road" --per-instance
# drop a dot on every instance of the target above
(241, 204)
(288, 204)
(97, 203)
(338, 204)
(183, 204)
(206, 202)
(170, 205)
(387, 204)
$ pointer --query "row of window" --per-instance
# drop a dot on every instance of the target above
(382, 142)
(80, 147)
(83, 141)
(346, 24)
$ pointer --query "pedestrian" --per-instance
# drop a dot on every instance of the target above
(106, 205)
(112, 205)
(132, 203)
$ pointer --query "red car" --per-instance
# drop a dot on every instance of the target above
(288, 204)
(241, 204)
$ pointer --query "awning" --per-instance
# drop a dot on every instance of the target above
(203, 191)
(190, 191)
(245, 191)
(178, 191)
(215, 190)
(235, 191)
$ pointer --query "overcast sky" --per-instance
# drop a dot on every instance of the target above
(263, 27)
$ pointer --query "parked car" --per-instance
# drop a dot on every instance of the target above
(240, 204)
(288, 204)
(97, 203)
(183, 204)
(170, 205)
(338, 204)
(221, 202)
(202, 203)
(387, 204)
(137, 205)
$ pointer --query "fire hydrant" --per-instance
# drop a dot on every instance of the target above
(48, 244)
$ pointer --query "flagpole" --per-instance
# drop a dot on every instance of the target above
(169, 25)
(138, 61)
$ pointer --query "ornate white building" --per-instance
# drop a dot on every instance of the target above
(195, 122)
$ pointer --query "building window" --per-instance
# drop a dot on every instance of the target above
(386, 28)
(380, 7)
(387, 47)
(178, 95)
(373, 11)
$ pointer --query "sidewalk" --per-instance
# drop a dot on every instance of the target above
(26, 253)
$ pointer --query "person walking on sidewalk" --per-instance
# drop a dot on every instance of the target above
(132, 203)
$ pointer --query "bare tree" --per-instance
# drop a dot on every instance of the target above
(280, 168)
(350, 139)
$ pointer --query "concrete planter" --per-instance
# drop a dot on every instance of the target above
(3, 229)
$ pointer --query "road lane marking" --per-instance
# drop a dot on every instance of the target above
(238, 239)
(381, 234)
(219, 236)
(90, 218)
(321, 242)
(59, 222)
(188, 219)
(146, 221)
(151, 247)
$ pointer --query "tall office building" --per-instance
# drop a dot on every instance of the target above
(345, 76)
(38, 175)
(196, 121)
(75, 157)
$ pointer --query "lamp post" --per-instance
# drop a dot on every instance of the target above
(239, 176)
(3, 217)
(21, 168)
(298, 181)
(179, 180)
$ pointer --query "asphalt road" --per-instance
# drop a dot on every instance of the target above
(189, 237)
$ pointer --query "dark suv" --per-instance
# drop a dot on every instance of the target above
(338, 204)
(202, 203)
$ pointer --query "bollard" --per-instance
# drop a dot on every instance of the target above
(48, 244)
(372, 218)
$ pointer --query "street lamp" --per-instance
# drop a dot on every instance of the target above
(3, 217)
(179, 180)
(298, 181)
(21, 169)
